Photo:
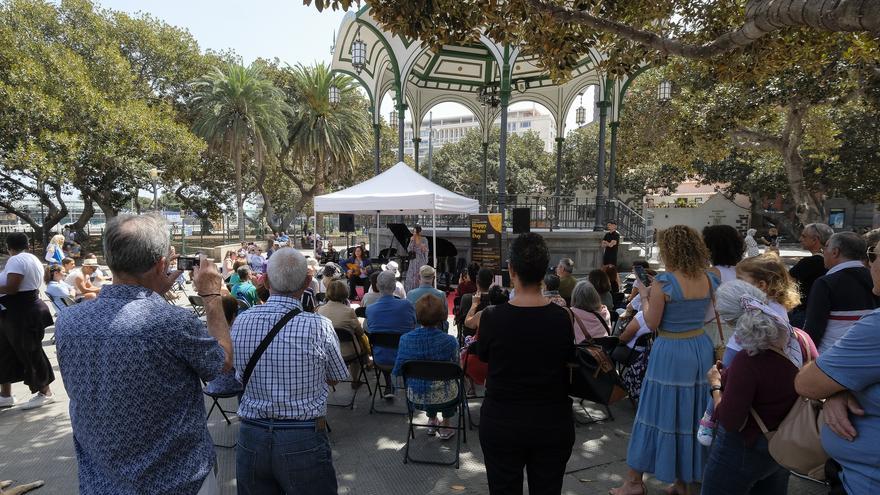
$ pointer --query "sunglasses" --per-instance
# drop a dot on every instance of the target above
(872, 255)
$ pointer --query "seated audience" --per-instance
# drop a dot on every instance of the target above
(467, 281)
(484, 282)
(245, 290)
(98, 277)
(234, 278)
(373, 294)
(739, 461)
(564, 271)
(551, 289)
(588, 313)
(309, 301)
(847, 375)
(841, 296)
(614, 279)
(80, 279)
(67, 265)
(342, 316)
(389, 315)
(431, 343)
(56, 288)
(600, 281)
(426, 286)
(227, 268)
(399, 290)
(475, 368)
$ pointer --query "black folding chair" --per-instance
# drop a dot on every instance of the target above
(358, 356)
(198, 304)
(434, 371)
(388, 341)
(215, 403)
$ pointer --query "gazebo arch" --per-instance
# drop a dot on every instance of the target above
(484, 76)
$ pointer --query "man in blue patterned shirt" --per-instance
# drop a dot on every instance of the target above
(283, 445)
(131, 364)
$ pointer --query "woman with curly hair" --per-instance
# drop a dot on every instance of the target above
(675, 389)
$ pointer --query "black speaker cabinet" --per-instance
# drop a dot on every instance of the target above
(346, 222)
(521, 220)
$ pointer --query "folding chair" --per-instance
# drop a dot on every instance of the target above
(360, 311)
(215, 403)
(198, 304)
(242, 305)
(434, 371)
(358, 355)
(388, 341)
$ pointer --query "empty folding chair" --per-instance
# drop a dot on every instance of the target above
(198, 304)
(352, 353)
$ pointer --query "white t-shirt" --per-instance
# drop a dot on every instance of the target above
(29, 267)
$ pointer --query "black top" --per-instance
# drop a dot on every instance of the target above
(609, 257)
(527, 350)
(849, 289)
(805, 272)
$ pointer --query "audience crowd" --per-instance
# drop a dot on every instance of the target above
(692, 340)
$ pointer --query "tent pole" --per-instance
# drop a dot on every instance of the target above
(434, 228)
(377, 251)
(315, 237)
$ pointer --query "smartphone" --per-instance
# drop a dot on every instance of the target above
(642, 275)
(186, 263)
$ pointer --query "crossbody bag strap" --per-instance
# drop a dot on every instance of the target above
(602, 321)
(264, 344)
(580, 325)
(715, 310)
(758, 420)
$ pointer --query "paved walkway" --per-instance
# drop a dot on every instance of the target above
(367, 450)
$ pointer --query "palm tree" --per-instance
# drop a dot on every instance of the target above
(238, 110)
(325, 139)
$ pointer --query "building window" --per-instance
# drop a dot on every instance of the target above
(525, 125)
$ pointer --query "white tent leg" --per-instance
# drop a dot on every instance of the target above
(376, 251)
(434, 229)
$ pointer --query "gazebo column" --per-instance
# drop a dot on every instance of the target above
(416, 141)
(612, 162)
(558, 191)
(377, 152)
(485, 158)
(600, 168)
(401, 116)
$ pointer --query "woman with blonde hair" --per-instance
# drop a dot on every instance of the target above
(55, 250)
(675, 388)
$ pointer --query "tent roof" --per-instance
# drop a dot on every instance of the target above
(399, 190)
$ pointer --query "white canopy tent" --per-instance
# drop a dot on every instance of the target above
(399, 190)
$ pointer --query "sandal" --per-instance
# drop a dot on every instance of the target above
(619, 490)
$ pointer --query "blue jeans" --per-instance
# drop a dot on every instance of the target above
(735, 469)
(289, 461)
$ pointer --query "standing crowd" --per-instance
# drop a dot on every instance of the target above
(717, 352)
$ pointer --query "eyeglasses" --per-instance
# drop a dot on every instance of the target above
(872, 255)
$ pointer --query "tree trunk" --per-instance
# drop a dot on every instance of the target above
(320, 177)
(808, 207)
(239, 197)
(79, 225)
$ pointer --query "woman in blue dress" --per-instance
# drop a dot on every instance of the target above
(675, 389)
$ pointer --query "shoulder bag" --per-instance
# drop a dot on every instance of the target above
(592, 375)
(796, 444)
(264, 344)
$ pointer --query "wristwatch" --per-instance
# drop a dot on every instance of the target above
(716, 387)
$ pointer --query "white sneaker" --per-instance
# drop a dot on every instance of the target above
(38, 400)
(7, 401)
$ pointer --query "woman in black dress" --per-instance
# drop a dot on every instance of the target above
(526, 419)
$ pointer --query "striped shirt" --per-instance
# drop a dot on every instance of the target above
(290, 379)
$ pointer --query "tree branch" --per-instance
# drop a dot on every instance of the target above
(751, 139)
(762, 17)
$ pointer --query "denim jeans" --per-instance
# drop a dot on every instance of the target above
(735, 469)
(289, 461)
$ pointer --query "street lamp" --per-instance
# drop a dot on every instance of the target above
(358, 52)
(335, 95)
(664, 90)
(154, 175)
(580, 115)
(392, 117)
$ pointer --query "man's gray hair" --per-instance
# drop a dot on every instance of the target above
(584, 296)
(821, 231)
(134, 244)
(728, 299)
(287, 271)
(757, 331)
(386, 282)
(850, 244)
(872, 238)
(567, 265)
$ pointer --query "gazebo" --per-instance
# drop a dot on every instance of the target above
(486, 78)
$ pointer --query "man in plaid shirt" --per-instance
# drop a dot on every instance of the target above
(283, 445)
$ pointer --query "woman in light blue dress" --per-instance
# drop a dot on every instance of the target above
(675, 390)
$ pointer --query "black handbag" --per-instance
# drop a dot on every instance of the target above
(592, 374)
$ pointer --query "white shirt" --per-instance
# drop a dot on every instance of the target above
(844, 266)
(26, 265)
(643, 329)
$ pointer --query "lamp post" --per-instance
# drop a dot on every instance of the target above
(154, 175)
(334, 96)
(392, 118)
(664, 91)
(580, 115)
(358, 52)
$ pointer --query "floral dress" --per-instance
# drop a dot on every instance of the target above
(420, 249)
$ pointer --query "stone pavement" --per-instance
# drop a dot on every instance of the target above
(367, 450)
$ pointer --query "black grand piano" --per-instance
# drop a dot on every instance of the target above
(446, 253)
